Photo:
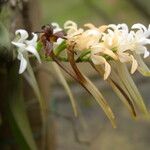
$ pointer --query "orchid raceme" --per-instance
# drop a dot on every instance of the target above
(108, 48)
(115, 41)
(106, 42)
(24, 46)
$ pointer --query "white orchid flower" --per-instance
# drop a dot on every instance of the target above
(87, 39)
(83, 39)
(73, 32)
(25, 46)
(119, 39)
(115, 41)
(140, 39)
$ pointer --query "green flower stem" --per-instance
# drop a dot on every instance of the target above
(65, 59)
(82, 58)
(83, 54)
(60, 48)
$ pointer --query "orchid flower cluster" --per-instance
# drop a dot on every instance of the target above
(108, 48)
(105, 43)
(115, 42)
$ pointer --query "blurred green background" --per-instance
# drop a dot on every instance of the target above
(96, 11)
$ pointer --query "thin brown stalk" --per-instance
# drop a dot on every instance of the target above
(90, 87)
(118, 90)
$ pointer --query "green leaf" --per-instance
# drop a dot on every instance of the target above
(60, 48)
(83, 54)
(118, 88)
(132, 88)
(66, 86)
(30, 77)
(100, 100)
(17, 113)
(39, 46)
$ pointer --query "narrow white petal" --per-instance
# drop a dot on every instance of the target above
(56, 27)
(107, 70)
(100, 48)
(59, 41)
(99, 60)
(97, 48)
(92, 32)
(19, 45)
(143, 41)
(33, 41)
(134, 65)
(146, 53)
(123, 26)
(109, 53)
(23, 63)
(124, 57)
(96, 59)
(70, 24)
(142, 50)
(89, 25)
(143, 68)
(23, 34)
(32, 50)
(139, 26)
(113, 26)
(35, 37)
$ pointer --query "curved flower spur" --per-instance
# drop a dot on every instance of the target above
(108, 48)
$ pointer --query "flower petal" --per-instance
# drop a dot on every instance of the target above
(103, 28)
(23, 63)
(56, 27)
(142, 50)
(134, 65)
(100, 48)
(139, 26)
(124, 57)
(23, 34)
(143, 68)
(97, 60)
(19, 45)
(109, 53)
(59, 41)
(33, 41)
(70, 24)
(89, 25)
(32, 50)
(146, 53)
(123, 27)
